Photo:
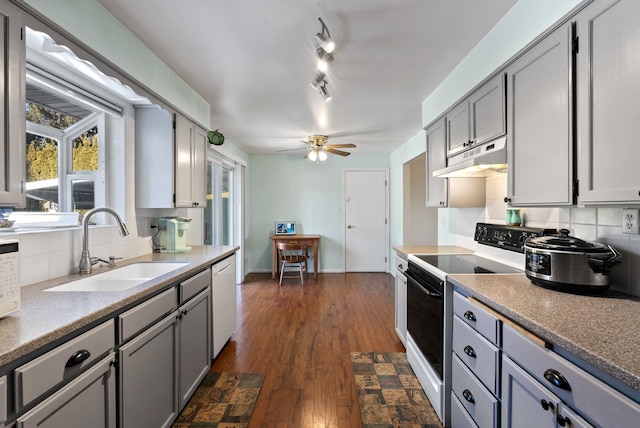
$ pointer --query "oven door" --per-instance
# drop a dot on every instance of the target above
(425, 316)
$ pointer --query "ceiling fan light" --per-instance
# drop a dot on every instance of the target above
(313, 155)
(325, 42)
(322, 155)
(324, 92)
(317, 81)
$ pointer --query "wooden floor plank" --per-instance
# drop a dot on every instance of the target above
(301, 339)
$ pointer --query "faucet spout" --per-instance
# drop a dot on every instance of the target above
(85, 257)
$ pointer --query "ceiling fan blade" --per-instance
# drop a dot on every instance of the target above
(307, 155)
(338, 152)
(340, 146)
(290, 150)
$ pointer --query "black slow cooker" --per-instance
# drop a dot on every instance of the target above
(566, 263)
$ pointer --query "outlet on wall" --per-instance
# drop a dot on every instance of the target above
(630, 221)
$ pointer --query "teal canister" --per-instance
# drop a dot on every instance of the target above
(513, 217)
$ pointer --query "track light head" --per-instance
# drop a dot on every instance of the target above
(325, 42)
(317, 80)
(324, 59)
(324, 92)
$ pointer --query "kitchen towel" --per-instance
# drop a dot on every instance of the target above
(389, 393)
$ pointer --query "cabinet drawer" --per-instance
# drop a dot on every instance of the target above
(459, 416)
(582, 391)
(88, 401)
(476, 317)
(481, 405)
(194, 285)
(39, 375)
(480, 355)
(134, 320)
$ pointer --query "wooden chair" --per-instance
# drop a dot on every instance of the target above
(293, 257)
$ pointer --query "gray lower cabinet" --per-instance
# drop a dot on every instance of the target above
(87, 401)
(149, 376)
(194, 344)
(539, 113)
(526, 403)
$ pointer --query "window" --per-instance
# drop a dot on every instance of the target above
(64, 149)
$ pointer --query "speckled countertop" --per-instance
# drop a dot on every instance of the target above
(603, 331)
(404, 250)
(46, 317)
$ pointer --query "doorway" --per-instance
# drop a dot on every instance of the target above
(366, 220)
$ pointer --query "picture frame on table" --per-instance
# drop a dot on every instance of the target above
(285, 227)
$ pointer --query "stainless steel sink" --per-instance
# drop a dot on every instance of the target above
(120, 278)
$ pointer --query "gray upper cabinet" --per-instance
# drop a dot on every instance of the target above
(12, 116)
(539, 113)
(170, 164)
(479, 118)
(608, 94)
(436, 159)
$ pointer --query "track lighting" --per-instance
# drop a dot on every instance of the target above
(324, 59)
(317, 81)
(324, 92)
(324, 39)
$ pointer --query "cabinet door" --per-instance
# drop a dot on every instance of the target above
(195, 351)
(149, 377)
(487, 110)
(436, 159)
(224, 302)
(458, 128)
(608, 94)
(524, 399)
(12, 117)
(184, 136)
(88, 401)
(199, 167)
(539, 111)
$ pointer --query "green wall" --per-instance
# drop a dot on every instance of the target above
(287, 187)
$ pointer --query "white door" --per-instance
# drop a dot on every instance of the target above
(366, 214)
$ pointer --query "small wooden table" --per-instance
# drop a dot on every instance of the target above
(310, 240)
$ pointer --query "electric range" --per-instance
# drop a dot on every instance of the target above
(430, 305)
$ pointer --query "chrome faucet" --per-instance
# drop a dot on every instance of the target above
(85, 258)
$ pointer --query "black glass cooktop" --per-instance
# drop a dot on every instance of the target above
(465, 263)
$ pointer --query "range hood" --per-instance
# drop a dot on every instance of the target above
(486, 159)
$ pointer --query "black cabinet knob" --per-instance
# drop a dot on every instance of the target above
(468, 396)
(507, 200)
(563, 421)
(77, 358)
(546, 405)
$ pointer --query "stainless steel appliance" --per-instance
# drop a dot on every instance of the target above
(430, 306)
(9, 283)
(566, 263)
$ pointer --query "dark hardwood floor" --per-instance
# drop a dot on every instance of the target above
(300, 337)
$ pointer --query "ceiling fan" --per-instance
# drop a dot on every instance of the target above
(318, 148)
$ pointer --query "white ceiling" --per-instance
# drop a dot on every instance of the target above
(253, 62)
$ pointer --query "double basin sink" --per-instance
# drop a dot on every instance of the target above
(122, 278)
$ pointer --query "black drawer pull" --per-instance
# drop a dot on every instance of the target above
(78, 358)
(468, 396)
(470, 351)
(546, 405)
(470, 316)
(556, 379)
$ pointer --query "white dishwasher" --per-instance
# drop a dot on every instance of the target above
(223, 297)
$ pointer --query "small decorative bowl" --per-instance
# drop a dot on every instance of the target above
(6, 223)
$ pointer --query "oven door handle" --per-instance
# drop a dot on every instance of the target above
(428, 290)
